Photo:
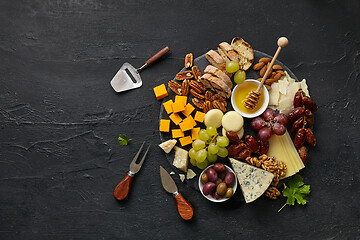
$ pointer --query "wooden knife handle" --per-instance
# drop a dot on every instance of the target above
(123, 188)
(185, 209)
(157, 55)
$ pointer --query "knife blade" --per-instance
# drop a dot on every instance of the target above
(185, 209)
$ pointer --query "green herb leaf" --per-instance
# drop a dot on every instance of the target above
(296, 191)
(123, 140)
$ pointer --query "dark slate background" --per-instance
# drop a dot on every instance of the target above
(59, 117)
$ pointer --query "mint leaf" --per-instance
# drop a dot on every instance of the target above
(123, 140)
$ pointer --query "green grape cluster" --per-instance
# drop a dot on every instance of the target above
(208, 148)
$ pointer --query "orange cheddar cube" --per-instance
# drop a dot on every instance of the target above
(185, 141)
(164, 125)
(177, 133)
(199, 116)
(175, 118)
(186, 125)
(168, 106)
(160, 91)
(191, 120)
(181, 99)
(195, 133)
(178, 107)
(188, 109)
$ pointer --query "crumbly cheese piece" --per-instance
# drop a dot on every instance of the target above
(253, 181)
(182, 177)
(168, 145)
(274, 94)
(172, 173)
(181, 159)
(281, 95)
(190, 174)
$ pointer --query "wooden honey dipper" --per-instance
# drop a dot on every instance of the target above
(253, 97)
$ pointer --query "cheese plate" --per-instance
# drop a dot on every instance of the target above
(202, 62)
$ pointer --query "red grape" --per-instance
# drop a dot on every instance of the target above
(257, 123)
(269, 114)
(278, 129)
(264, 134)
(281, 118)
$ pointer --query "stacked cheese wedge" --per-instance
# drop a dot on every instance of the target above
(215, 75)
(283, 149)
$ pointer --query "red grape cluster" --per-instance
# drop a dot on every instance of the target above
(268, 124)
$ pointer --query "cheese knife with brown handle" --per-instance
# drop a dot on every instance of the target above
(185, 209)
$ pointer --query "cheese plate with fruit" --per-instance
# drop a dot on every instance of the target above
(201, 124)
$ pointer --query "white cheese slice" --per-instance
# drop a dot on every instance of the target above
(181, 159)
(253, 181)
(274, 94)
(190, 174)
(168, 145)
(304, 87)
(283, 85)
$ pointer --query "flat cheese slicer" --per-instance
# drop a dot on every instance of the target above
(128, 77)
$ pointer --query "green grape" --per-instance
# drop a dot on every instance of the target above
(213, 148)
(212, 157)
(232, 66)
(239, 77)
(211, 130)
(223, 152)
(201, 155)
(192, 153)
(193, 162)
(198, 144)
(222, 141)
(203, 135)
(202, 165)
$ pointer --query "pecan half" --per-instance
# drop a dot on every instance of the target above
(197, 86)
(207, 106)
(185, 87)
(189, 58)
(175, 87)
(181, 76)
(219, 98)
(208, 95)
(196, 72)
(198, 103)
(218, 105)
(196, 94)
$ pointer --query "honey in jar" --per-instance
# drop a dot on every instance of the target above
(242, 92)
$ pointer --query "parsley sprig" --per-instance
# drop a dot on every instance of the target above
(296, 191)
(123, 140)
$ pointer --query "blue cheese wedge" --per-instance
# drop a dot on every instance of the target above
(253, 181)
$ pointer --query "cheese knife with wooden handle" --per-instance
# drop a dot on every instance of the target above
(185, 209)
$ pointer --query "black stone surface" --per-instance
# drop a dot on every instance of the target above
(59, 117)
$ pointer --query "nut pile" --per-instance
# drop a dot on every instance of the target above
(302, 118)
(278, 168)
(274, 75)
(203, 99)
